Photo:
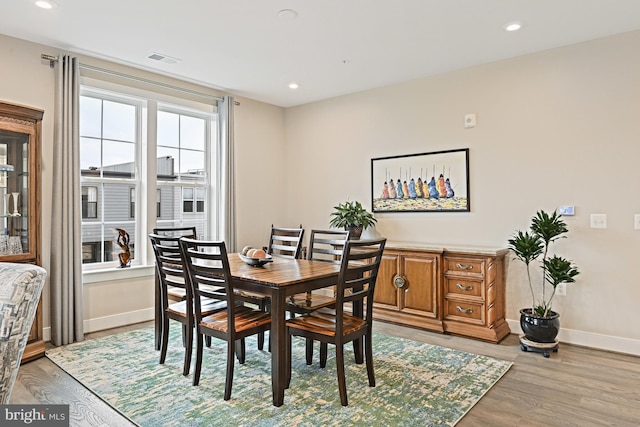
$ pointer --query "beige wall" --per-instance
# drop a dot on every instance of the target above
(555, 128)
(259, 133)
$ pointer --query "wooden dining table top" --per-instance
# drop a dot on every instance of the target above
(281, 271)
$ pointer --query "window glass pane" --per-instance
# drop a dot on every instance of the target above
(91, 114)
(192, 164)
(90, 156)
(168, 129)
(192, 133)
(118, 159)
(119, 121)
(167, 163)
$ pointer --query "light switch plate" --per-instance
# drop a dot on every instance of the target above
(469, 121)
(636, 221)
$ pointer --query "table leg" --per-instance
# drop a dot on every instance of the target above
(278, 346)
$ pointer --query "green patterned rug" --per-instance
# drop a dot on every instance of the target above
(416, 384)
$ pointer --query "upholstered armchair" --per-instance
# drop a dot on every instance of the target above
(20, 289)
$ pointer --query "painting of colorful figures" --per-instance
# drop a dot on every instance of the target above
(426, 182)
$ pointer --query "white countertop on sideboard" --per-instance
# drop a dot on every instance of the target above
(443, 247)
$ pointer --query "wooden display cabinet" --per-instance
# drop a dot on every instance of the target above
(20, 134)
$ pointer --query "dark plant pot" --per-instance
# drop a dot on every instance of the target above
(539, 329)
(354, 232)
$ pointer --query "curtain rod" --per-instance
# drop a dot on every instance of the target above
(53, 59)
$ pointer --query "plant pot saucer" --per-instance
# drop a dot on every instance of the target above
(539, 347)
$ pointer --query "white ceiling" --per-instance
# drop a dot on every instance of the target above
(331, 48)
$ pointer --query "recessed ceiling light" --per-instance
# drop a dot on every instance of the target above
(46, 4)
(287, 14)
(513, 26)
(293, 85)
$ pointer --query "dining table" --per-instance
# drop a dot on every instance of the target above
(280, 279)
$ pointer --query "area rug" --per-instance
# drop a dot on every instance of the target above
(416, 383)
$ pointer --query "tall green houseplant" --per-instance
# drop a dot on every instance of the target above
(533, 245)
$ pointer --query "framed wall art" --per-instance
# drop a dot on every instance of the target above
(425, 182)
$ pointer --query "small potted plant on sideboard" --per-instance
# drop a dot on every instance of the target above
(353, 217)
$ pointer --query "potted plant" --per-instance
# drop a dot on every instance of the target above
(353, 217)
(539, 322)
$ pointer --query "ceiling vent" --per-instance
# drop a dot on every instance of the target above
(164, 58)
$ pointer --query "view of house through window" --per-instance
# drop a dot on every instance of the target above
(112, 132)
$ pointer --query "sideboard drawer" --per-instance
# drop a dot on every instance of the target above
(455, 265)
(464, 286)
(464, 311)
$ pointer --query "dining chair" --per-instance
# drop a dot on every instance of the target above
(356, 284)
(173, 293)
(285, 242)
(171, 274)
(324, 245)
(207, 266)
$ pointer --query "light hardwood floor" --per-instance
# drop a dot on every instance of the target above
(575, 387)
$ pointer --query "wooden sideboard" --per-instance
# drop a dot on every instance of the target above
(445, 289)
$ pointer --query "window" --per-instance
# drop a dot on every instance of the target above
(115, 149)
(89, 202)
(182, 164)
(109, 142)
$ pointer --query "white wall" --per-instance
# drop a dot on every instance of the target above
(554, 128)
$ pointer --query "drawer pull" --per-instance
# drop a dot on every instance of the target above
(464, 288)
(464, 267)
(399, 282)
(464, 310)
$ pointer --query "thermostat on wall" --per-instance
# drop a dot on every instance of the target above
(566, 210)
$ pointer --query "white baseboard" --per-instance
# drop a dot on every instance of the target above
(108, 322)
(590, 339)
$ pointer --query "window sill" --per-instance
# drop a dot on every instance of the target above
(110, 274)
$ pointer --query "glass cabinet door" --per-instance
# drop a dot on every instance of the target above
(18, 187)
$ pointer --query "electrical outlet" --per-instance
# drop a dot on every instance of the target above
(561, 289)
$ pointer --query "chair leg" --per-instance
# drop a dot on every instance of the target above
(230, 363)
(342, 384)
(164, 342)
(309, 351)
(184, 335)
(187, 352)
(240, 350)
(263, 307)
(323, 355)
(196, 374)
(368, 350)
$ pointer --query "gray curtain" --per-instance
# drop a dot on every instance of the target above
(227, 193)
(66, 247)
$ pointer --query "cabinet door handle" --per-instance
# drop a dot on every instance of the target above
(464, 310)
(464, 288)
(399, 282)
(464, 267)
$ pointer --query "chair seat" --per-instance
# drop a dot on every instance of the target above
(208, 306)
(308, 302)
(246, 318)
(177, 294)
(251, 296)
(323, 322)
